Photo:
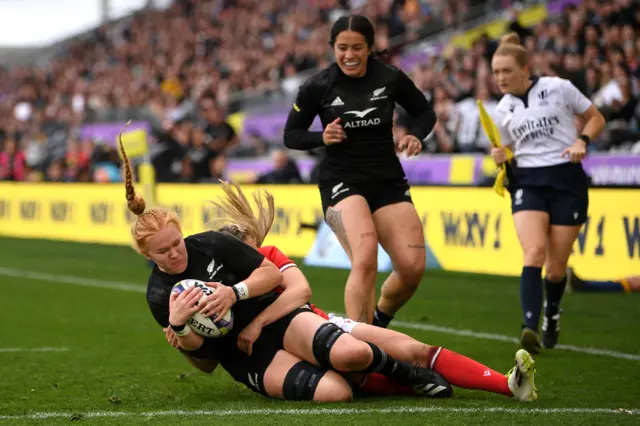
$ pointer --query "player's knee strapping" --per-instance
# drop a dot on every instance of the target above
(379, 360)
(323, 341)
(301, 381)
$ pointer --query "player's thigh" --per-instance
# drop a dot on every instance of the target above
(401, 234)
(531, 219)
(532, 228)
(289, 377)
(332, 349)
(352, 222)
(298, 339)
(398, 345)
(560, 243)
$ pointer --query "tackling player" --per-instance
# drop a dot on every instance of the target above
(295, 290)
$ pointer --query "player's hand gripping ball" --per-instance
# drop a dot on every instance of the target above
(203, 325)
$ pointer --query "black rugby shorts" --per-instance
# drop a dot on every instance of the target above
(377, 194)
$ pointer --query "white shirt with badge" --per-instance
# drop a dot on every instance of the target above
(543, 127)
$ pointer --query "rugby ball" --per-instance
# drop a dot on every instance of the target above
(203, 325)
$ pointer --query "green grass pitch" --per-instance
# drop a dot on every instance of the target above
(112, 366)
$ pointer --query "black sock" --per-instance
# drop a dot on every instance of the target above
(381, 319)
(554, 290)
(388, 366)
(531, 295)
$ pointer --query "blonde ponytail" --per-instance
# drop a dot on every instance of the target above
(237, 208)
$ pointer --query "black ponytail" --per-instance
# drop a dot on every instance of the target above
(357, 23)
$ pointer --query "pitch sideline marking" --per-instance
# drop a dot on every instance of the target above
(44, 349)
(118, 285)
(322, 411)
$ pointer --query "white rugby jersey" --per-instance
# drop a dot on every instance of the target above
(540, 124)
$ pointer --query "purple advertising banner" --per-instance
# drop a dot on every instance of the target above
(432, 170)
(613, 170)
(270, 126)
(420, 56)
(108, 132)
(436, 170)
(556, 7)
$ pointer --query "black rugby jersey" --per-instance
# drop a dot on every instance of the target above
(219, 257)
(365, 106)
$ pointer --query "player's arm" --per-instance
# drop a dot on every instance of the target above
(297, 292)
(173, 317)
(595, 122)
(206, 365)
(256, 273)
(416, 104)
(585, 109)
(262, 280)
(304, 110)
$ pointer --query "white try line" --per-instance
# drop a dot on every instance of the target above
(117, 285)
(509, 339)
(67, 279)
(326, 411)
(45, 349)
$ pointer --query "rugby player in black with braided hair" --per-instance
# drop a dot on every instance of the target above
(365, 195)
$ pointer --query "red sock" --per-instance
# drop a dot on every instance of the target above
(466, 373)
(378, 384)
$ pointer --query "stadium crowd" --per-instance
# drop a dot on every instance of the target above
(184, 65)
(595, 45)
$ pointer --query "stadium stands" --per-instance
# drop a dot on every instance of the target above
(180, 69)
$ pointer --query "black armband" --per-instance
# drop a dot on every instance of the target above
(177, 328)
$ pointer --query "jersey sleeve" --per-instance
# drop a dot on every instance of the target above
(277, 257)
(160, 312)
(416, 104)
(301, 116)
(158, 301)
(575, 100)
(500, 119)
(237, 256)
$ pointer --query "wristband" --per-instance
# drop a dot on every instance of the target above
(585, 138)
(241, 290)
(236, 292)
(180, 330)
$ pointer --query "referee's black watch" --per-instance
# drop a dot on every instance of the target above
(585, 138)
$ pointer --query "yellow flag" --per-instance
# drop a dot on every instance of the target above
(490, 129)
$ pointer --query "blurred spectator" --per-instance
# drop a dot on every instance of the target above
(257, 146)
(56, 171)
(220, 136)
(284, 170)
(12, 162)
(217, 168)
(595, 45)
(183, 68)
